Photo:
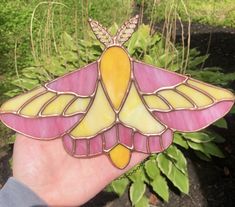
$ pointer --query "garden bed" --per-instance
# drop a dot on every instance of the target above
(211, 183)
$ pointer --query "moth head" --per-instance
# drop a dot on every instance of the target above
(122, 35)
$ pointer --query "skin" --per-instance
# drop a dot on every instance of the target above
(59, 179)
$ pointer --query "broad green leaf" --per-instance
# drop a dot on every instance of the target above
(221, 123)
(148, 59)
(208, 148)
(202, 156)
(198, 147)
(70, 56)
(176, 176)
(68, 41)
(54, 66)
(216, 137)
(198, 137)
(137, 191)
(179, 140)
(13, 92)
(177, 158)
(213, 149)
(140, 39)
(137, 173)
(25, 83)
(232, 111)
(151, 168)
(155, 39)
(119, 186)
(144, 202)
(160, 187)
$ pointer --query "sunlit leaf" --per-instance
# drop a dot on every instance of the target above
(202, 156)
(179, 140)
(143, 202)
(120, 185)
(208, 148)
(213, 149)
(221, 123)
(198, 137)
(176, 176)
(151, 168)
(177, 158)
(137, 173)
(216, 137)
(160, 187)
(137, 191)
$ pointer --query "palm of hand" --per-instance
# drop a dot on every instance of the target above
(58, 178)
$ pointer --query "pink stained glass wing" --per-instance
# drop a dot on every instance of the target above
(81, 82)
(41, 127)
(25, 113)
(151, 79)
(190, 105)
(116, 105)
(194, 120)
(118, 134)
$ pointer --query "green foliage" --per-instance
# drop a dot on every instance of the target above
(137, 190)
(66, 43)
(119, 186)
(49, 22)
(173, 164)
(213, 12)
(157, 180)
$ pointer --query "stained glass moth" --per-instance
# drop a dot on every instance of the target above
(116, 105)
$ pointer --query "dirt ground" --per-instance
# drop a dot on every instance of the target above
(212, 184)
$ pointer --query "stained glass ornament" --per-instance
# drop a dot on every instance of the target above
(116, 105)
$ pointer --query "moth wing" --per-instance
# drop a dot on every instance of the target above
(182, 103)
(98, 119)
(49, 111)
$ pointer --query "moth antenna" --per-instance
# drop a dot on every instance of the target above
(127, 29)
(101, 32)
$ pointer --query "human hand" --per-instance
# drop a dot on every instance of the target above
(58, 178)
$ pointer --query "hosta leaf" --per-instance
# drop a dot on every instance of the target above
(176, 176)
(198, 137)
(70, 56)
(119, 186)
(202, 156)
(179, 140)
(25, 83)
(137, 173)
(137, 191)
(213, 149)
(160, 187)
(151, 168)
(148, 59)
(232, 111)
(144, 202)
(13, 92)
(198, 147)
(221, 123)
(54, 66)
(208, 148)
(216, 137)
(177, 158)
(140, 39)
(68, 42)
